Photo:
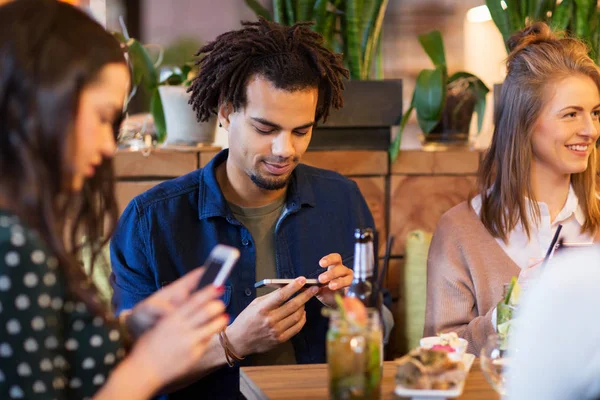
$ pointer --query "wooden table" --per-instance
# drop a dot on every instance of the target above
(311, 382)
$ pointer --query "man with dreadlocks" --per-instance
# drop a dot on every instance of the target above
(269, 85)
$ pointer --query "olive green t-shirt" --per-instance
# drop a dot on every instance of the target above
(261, 222)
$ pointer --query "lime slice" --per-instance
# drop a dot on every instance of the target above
(504, 328)
(504, 333)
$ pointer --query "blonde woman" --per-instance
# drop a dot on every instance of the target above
(538, 173)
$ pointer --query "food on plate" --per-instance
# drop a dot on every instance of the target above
(450, 339)
(429, 369)
(443, 347)
(445, 341)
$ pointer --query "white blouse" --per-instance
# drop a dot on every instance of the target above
(526, 251)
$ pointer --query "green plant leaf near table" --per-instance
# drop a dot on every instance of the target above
(145, 72)
(430, 95)
(360, 25)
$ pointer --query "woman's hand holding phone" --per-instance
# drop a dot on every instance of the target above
(146, 314)
(194, 316)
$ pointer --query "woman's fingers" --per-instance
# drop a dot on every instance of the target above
(197, 300)
(178, 291)
(207, 331)
(207, 312)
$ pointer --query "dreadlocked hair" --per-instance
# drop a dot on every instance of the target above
(290, 57)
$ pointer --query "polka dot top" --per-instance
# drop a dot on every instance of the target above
(51, 346)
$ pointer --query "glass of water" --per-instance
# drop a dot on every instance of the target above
(494, 363)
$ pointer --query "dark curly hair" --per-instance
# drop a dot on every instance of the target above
(290, 57)
(49, 52)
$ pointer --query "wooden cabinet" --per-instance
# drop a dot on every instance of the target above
(125, 191)
(417, 202)
(373, 190)
(137, 172)
(157, 164)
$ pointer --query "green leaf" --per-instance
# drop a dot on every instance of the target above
(480, 90)
(156, 109)
(542, 8)
(430, 96)
(500, 18)
(143, 68)
(352, 42)
(582, 15)
(395, 146)
(289, 10)
(279, 12)
(595, 39)
(562, 15)
(516, 20)
(173, 79)
(550, 7)
(531, 8)
(524, 7)
(513, 282)
(433, 45)
(330, 20)
(365, 11)
(304, 10)
(259, 10)
(379, 59)
(321, 14)
(372, 36)
(185, 70)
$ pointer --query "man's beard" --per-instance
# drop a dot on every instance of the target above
(269, 184)
(266, 181)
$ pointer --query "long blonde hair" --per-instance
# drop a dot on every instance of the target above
(537, 59)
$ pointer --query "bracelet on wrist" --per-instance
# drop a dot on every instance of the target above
(230, 355)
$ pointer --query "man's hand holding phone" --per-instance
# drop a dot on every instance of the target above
(271, 319)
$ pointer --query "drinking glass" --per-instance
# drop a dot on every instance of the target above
(494, 362)
(355, 358)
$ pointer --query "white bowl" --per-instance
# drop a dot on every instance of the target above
(430, 341)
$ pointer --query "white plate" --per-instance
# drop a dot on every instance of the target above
(422, 394)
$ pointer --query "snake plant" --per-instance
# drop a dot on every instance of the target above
(360, 24)
(579, 18)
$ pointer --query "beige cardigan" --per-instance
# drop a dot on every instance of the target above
(466, 271)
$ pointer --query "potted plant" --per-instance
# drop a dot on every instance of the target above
(351, 27)
(444, 104)
(174, 119)
(360, 23)
(579, 18)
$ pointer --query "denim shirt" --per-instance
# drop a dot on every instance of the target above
(170, 230)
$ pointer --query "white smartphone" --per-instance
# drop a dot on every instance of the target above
(218, 265)
(277, 283)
